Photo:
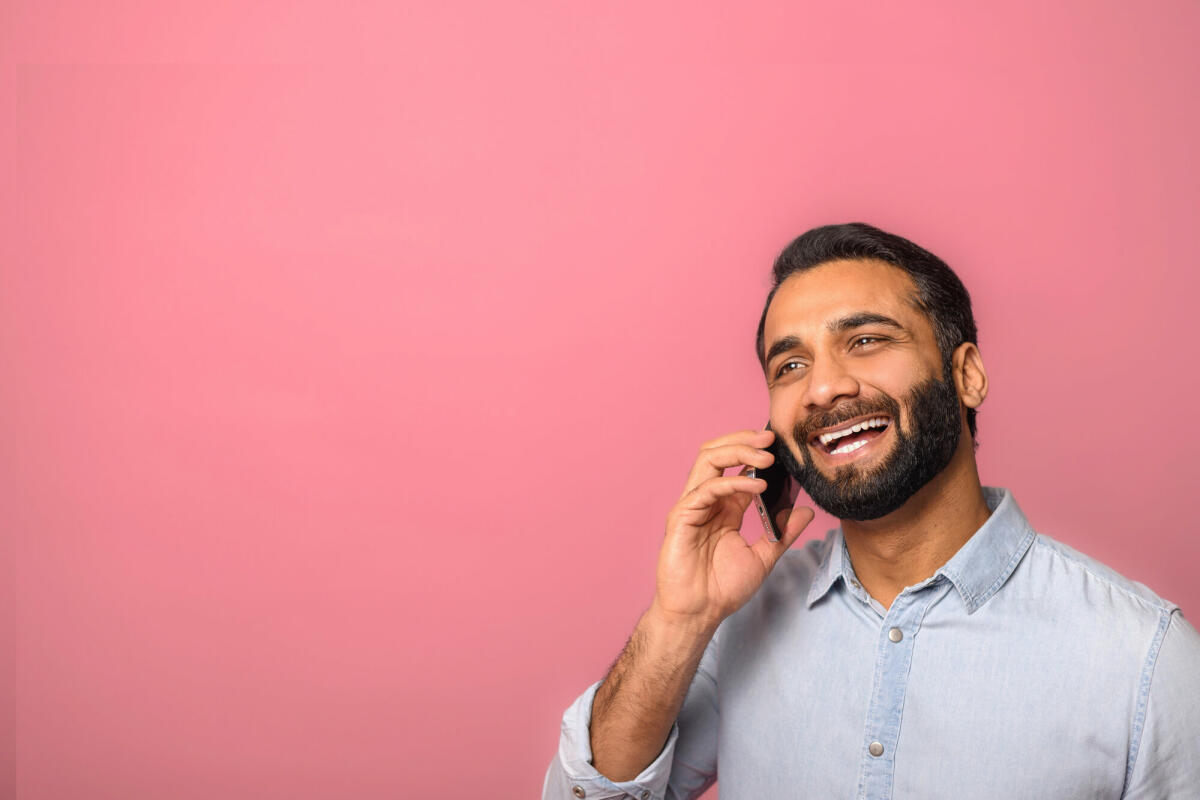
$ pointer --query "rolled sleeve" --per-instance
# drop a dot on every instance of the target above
(571, 774)
(685, 768)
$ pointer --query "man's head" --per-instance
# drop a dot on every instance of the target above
(864, 326)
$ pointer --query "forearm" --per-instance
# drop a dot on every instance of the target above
(638, 702)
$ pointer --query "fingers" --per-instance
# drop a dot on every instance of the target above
(732, 450)
(708, 492)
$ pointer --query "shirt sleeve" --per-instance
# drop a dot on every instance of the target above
(685, 768)
(1167, 763)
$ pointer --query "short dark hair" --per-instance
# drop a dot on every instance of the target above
(940, 295)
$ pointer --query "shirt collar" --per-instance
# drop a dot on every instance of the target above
(977, 570)
(835, 563)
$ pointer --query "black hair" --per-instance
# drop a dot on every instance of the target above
(940, 295)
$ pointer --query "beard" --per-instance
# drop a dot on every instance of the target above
(862, 493)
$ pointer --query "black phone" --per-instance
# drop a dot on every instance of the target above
(781, 492)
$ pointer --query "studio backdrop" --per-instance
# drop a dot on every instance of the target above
(352, 355)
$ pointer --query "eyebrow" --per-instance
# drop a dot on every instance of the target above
(856, 320)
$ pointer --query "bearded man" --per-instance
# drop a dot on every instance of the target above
(934, 645)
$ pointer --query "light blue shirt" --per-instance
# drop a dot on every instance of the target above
(1021, 669)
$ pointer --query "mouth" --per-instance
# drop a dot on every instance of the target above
(851, 440)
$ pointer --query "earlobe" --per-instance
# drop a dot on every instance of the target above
(970, 377)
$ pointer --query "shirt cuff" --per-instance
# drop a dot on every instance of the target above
(575, 756)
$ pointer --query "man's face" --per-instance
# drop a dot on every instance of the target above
(845, 346)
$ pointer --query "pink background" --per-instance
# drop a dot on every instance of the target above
(352, 357)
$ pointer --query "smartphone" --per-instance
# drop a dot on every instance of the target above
(781, 492)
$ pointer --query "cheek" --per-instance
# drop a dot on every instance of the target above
(783, 408)
(896, 379)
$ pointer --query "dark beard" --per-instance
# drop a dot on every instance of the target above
(858, 493)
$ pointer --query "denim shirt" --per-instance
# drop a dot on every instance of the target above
(1021, 669)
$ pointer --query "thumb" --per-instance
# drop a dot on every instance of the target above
(792, 522)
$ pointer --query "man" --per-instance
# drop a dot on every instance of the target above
(932, 646)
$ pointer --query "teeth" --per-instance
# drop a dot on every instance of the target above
(826, 438)
(850, 448)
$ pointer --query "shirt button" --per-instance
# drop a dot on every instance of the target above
(578, 791)
(895, 634)
(645, 795)
(876, 749)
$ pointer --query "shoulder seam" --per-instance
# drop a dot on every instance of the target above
(1162, 606)
(1139, 716)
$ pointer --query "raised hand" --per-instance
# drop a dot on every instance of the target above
(706, 570)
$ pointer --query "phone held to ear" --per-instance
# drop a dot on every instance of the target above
(781, 491)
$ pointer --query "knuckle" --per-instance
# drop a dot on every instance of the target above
(749, 455)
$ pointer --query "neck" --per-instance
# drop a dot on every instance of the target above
(914, 541)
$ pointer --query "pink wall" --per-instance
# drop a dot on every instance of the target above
(351, 358)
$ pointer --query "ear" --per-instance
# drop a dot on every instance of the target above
(970, 378)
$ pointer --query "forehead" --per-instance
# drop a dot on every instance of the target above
(805, 301)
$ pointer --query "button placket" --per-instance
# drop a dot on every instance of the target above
(893, 655)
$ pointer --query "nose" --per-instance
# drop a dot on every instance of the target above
(828, 383)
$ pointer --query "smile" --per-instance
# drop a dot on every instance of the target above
(851, 437)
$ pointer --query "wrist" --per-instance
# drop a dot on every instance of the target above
(680, 626)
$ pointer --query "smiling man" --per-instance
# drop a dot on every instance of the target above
(934, 645)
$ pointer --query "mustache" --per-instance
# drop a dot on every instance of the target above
(885, 406)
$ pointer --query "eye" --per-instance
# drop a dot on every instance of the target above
(858, 339)
(783, 368)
